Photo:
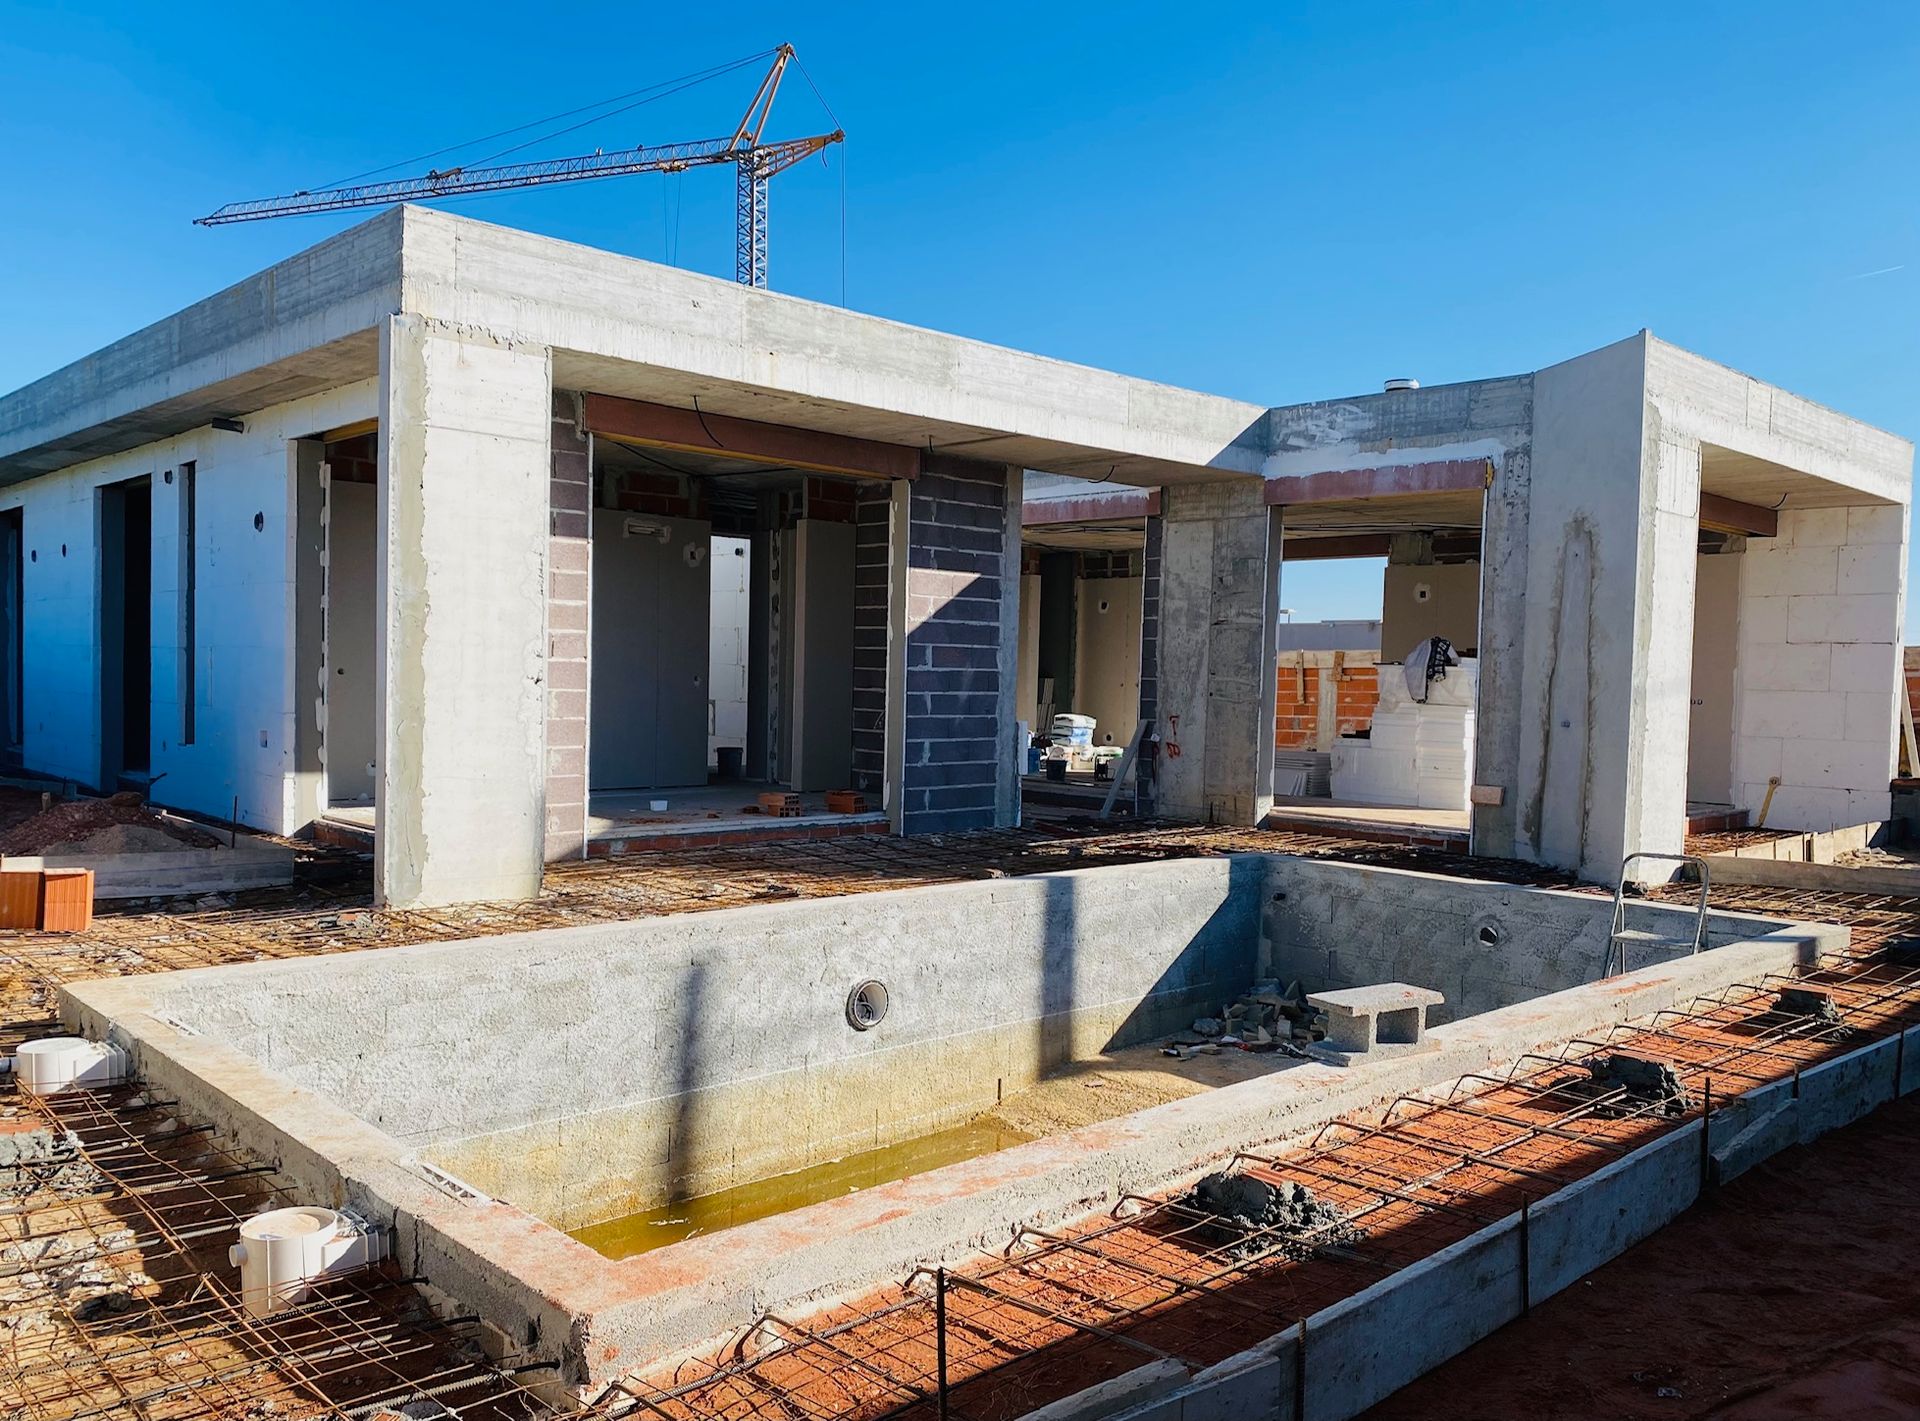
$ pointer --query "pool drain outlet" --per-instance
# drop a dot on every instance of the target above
(867, 1005)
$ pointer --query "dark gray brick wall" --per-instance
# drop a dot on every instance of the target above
(957, 537)
(870, 588)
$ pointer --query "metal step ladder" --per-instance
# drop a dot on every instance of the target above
(1623, 937)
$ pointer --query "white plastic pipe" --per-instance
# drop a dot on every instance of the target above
(282, 1252)
(57, 1063)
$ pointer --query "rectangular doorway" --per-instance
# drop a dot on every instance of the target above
(12, 639)
(126, 631)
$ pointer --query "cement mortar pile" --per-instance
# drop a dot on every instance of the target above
(1251, 1216)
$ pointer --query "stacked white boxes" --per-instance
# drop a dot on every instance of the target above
(1418, 755)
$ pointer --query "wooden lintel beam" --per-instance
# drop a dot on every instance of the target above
(1108, 505)
(691, 432)
(1387, 481)
(1348, 545)
(1726, 515)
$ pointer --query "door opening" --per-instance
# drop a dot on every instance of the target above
(126, 631)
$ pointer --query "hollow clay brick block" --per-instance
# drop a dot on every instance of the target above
(19, 899)
(66, 903)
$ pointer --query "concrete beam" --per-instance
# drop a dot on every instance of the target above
(1385, 481)
(461, 705)
(665, 427)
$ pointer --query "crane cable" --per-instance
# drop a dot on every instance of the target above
(671, 86)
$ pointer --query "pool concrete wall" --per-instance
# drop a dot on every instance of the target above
(591, 1073)
(1484, 945)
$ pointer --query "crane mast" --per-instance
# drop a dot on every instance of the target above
(755, 161)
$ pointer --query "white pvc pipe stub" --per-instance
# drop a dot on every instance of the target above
(281, 1253)
(57, 1063)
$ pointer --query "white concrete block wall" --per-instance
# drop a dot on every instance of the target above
(244, 716)
(1819, 666)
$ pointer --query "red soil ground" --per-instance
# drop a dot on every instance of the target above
(1791, 1295)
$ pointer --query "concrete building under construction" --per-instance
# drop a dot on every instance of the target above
(696, 1000)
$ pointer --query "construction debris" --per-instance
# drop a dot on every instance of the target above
(1648, 1086)
(1253, 1216)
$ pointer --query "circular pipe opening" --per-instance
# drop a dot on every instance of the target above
(1489, 935)
(867, 1005)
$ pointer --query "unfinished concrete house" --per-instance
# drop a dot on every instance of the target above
(518, 573)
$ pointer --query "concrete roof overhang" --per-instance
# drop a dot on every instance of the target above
(618, 326)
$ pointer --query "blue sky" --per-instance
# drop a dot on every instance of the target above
(1275, 202)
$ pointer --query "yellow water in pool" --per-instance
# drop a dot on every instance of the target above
(709, 1213)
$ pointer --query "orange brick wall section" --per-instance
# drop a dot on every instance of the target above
(1296, 719)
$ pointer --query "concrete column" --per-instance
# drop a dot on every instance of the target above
(465, 469)
(1609, 620)
(1219, 603)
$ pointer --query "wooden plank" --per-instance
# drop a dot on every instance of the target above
(692, 432)
(1388, 481)
(1727, 515)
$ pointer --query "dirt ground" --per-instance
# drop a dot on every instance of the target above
(1791, 1295)
(100, 826)
(1121, 1082)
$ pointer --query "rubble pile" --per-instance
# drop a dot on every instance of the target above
(1268, 1018)
(1249, 1215)
(1648, 1085)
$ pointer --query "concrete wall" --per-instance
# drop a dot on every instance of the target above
(466, 466)
(1818, 687)
(243, 654)
(1107, 679)
(1716, 643)
(647, 697)
(1484, 945)
(590, 1073)
(1218, 605)
(1027, 666)
(353, 667)
(1428, 601)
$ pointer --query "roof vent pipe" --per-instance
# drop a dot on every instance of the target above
(1402, 384)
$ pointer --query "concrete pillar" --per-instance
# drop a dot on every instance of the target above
(465, 469)
(1611, 534)
(1219, 604)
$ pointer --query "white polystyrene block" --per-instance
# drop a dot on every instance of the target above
(1865, 666)
(1790, 572)
(1854, 617)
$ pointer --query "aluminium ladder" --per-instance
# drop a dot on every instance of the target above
(1622, 937)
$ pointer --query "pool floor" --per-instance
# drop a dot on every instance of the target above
(709, 1213)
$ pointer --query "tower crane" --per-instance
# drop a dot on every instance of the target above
(755, 162)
